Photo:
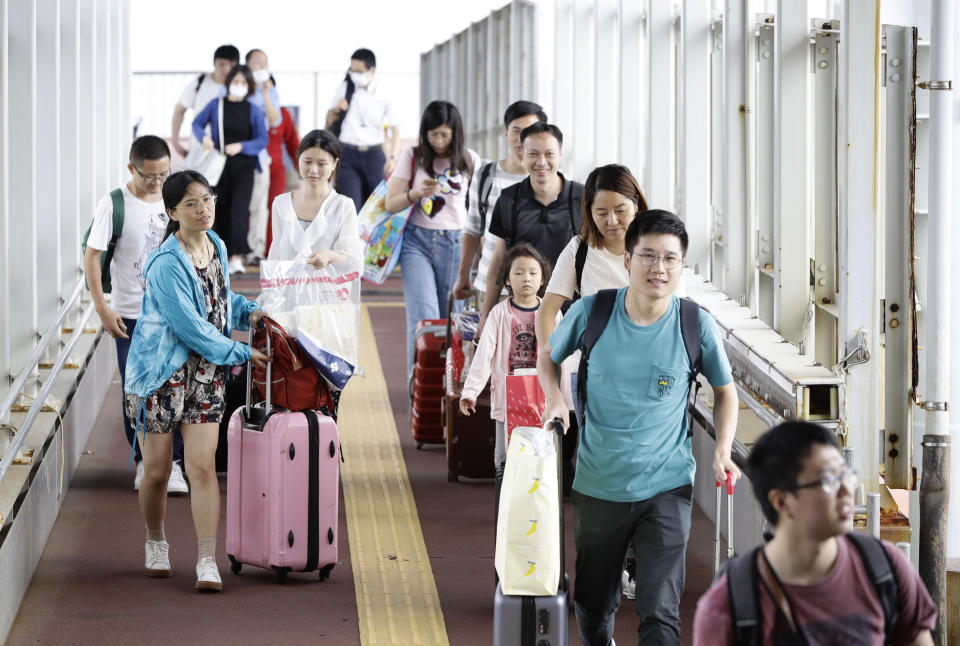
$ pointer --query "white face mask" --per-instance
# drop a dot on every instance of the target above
(360, 79)
(261, 76)
(238, 91)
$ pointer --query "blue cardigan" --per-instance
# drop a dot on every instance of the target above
(210, 115)
(173, 320)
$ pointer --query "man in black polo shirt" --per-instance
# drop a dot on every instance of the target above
(543, 210)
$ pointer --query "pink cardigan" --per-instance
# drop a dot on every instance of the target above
(492, 361)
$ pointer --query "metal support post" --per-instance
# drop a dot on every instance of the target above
(873, 514)
(661, 110)
(934, 500)
(899, 311)
(766, 168)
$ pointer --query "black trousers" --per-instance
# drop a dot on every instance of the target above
(359, 173)
(233, 203)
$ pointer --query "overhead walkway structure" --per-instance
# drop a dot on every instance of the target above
(801, 141)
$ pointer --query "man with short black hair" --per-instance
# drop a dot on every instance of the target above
(813, 583)
(202, 90)
(128, 225)
(359, 116)
(642, 348)
(488, 182)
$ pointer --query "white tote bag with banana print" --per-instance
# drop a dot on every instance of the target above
(528, 526)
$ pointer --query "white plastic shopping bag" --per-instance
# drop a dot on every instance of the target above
(528, 526)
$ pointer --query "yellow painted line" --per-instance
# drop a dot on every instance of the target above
(385, 304)
(397, 600)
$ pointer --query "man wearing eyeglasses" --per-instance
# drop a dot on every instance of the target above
(635, 465)
(813, 581)
(143, 224)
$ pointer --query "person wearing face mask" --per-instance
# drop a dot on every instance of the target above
(245, 135)
(360, 116)
(200, 91)
(314, 222)
(267, 99)
(433, 178)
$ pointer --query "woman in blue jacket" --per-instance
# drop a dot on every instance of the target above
(175, 373)
(245, 135)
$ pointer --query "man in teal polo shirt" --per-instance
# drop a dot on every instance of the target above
(635, 467)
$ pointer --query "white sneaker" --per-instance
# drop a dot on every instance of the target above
(208, 575)
(236, 266)
(176, 483)
(138, 478)
(157, 562)
(629, 585)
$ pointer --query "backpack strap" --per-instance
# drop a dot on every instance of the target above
(574, 229)
(516, 210)
(690, 331)
(116, 196)
(482, 205)
(200, 78)
(877, 563)
(600, 313)
(742, 576)
(580, 261)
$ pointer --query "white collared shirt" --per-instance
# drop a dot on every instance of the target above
(334, 227)
(368, 115)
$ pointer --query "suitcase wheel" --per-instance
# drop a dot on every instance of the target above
(325, 572)
(281, 573)
(235, 565)
(419, 445)
(452, 477)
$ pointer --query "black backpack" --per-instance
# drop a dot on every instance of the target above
(485, 182)
(743, 574)
(337, 124)
(580, 261)
(596, 323)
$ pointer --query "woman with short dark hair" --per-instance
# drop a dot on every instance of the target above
(245, 135)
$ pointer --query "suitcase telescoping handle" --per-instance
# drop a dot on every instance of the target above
(249, 392)
(556, 426)
(728, 485)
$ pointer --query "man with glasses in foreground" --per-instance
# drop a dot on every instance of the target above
(813, 583)
(114, 260)
(635, 466)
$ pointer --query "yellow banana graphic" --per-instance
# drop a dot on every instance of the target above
(536, 485)
(533, 527)
(532, 567)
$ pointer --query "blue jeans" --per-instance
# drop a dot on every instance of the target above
(429, 259)
(123, 348)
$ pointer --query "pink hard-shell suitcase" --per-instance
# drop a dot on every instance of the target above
(283, 478)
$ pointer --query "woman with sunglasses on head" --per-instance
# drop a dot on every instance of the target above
(175, 374)
(432, 178)
(245, 135)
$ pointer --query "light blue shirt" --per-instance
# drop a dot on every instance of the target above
(635, 444)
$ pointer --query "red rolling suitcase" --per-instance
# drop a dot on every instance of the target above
(426, 387)
(283, 479)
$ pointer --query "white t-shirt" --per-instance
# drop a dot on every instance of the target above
(144, 224)
(369, 113)
(498, 180)
(196, 99)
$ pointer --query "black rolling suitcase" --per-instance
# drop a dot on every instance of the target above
(538, 621)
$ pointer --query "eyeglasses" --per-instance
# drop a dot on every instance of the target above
(152, 178)
(205, 201)
(649, 260)
(831, 482)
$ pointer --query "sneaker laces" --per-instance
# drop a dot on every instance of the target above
(159, 553)
(207, 569)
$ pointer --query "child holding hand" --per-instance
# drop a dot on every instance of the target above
(508, 342)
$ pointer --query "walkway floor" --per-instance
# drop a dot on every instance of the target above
(89, 588)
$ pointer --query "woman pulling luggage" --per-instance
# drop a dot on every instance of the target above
(175, 374)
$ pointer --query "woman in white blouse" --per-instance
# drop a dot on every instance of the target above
(315, 222)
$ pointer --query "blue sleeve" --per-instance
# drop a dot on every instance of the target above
(716, 366)
(204, 117)
(568, 336)
(253, 146)
(172, 291)
(241, 306)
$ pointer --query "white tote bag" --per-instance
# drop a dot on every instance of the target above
(528, 526)
(209, 163)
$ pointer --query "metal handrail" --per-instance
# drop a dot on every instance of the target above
(40, 401)
(48, 336)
